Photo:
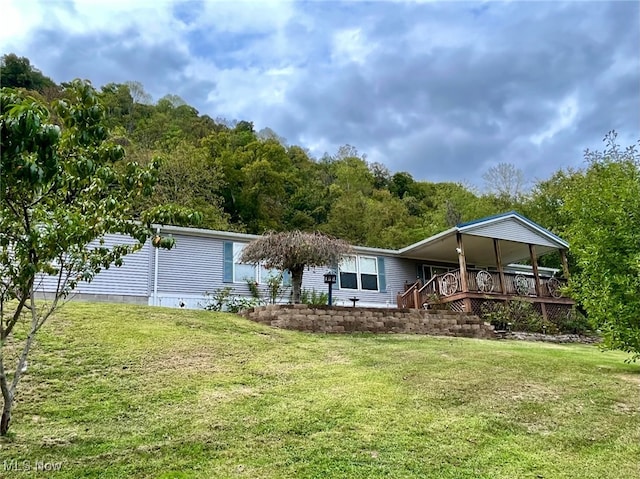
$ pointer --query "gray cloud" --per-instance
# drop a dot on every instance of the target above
(441, 90)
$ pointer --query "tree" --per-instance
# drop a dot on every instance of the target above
(295, 251)
(401, 183)
(138, 94)
(189, 177)
(17, 72)
(63, 187)
(603, 208)
(505, 180)
(381, 175)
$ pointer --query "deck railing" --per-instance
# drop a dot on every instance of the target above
(410, 299)
(441, 286)
(515, 284)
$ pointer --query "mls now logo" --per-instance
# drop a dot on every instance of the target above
(13, 465)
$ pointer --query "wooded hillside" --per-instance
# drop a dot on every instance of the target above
(254, 181)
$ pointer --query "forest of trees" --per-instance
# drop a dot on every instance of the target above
(253, 181)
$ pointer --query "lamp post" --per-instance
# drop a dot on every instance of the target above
(330, 279)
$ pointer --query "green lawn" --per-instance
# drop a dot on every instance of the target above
(119, 391)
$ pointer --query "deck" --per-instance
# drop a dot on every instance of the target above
(479, 287)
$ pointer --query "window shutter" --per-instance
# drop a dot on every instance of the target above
(382, 281)
(286, 278)
(227, 275)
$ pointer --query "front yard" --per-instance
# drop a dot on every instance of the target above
(118, 391)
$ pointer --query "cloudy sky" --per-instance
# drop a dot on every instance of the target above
(443, 90)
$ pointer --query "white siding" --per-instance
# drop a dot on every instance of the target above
(511, 230)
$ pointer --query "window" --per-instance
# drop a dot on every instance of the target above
(368, 273)
(429, 272)
(236, 272)
(241, 271)
(265, 274)
(348, 273)
(359, 272)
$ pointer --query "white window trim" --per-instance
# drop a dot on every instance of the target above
(359, 274)
(257, 269)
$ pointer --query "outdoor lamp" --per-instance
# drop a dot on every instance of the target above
(330, 279)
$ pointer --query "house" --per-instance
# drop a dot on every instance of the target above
(463, 267)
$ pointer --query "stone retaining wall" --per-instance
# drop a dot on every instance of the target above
(323, 319)
(550, 338)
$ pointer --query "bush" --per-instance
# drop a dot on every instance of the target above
(222, 300)
(235, 304)
(217, 300)
(574, 323)
(314, 298)
(516, 315)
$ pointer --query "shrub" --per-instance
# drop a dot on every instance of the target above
(574, 323)
(223, 300)
(217, 300)
(314, 298)
(516, 315)
(276, 288)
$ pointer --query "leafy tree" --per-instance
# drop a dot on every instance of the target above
(347, 218)
(17, 72)
(453, 203)
(401, 183)
(267, 184)
(118, 103)
(603, 207)
(545, 206)
(63, 187)
(189, 177)
(294, 251)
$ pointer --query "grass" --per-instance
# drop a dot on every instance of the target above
(118, 391)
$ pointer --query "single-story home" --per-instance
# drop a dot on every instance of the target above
(463, 266)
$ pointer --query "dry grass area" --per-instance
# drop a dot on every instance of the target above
(119, 391)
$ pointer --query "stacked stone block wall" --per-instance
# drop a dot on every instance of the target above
(324, 319)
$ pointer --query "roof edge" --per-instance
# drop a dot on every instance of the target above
(514, 214)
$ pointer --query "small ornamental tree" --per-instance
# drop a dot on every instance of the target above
(294, 251)
(603, 209)
(63, 187)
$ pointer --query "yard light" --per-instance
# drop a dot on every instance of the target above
(330, 279)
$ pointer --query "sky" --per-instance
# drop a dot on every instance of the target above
(442, 90)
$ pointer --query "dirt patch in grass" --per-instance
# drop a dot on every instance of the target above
(334, 357)
(534, 392)
(633, 378)
(626, 408)
(214, 396)
(185, 361)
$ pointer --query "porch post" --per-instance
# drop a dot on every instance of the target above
(464, 283)
(536, 279)
(496, 248)
(534, 264)
(565, 263)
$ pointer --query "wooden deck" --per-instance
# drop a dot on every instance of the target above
(482, 287)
